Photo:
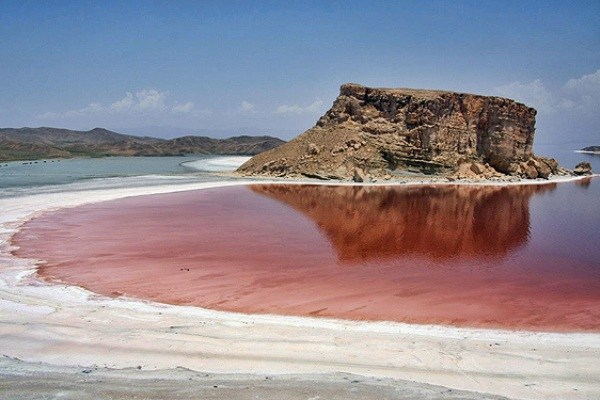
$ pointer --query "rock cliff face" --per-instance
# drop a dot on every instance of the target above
(373, 132)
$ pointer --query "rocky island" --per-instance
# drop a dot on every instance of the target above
(591, 149)
(377, 133)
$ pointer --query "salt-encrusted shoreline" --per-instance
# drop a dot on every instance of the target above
(416, 180)
(68, 326)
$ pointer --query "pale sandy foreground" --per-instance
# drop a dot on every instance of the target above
(21, 380)
(69, 331)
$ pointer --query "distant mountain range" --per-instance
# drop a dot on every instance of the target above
(38, 143)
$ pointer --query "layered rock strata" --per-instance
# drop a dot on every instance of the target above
(382, 133)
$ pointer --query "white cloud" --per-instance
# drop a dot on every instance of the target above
(247, 108)
(285, 109)
(582, 94)
(577, 94)
(585, 82)
(126, 103)
(567, 104)
(150, 100)
(48, 115)
(315, 106)
(138, 103)
(297, 109)
(185, 108)
(532, 94)
(91, 109)
(144, 100)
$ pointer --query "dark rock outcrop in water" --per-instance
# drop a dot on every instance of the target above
(36, 143)
(591, 149)
(583, 168)
(379, 133)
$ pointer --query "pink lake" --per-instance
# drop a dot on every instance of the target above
(519, 257)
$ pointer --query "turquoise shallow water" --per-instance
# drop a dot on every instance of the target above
(22, 174)
(32, 178)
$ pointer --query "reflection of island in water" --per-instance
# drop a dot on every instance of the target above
(438, 222)
(461, 255)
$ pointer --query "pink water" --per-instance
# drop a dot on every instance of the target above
(523, 257)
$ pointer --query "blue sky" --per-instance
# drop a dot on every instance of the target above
(168, 68)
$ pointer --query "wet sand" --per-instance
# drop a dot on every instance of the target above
(62, 325)
(451, 255)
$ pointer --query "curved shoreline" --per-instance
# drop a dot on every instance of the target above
(64, 325)
(297, 250)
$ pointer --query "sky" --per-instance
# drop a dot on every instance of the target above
(222, 68)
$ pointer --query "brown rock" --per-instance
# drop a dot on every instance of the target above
(478, 168)
(583, 168)
(465, 171)
(505, 165)
(529, 170)
(312, 149)
(341, 171)
(337, 150)
(359, 175)
(407, 130)
(543, 169)
(475, 170)
(551, 162)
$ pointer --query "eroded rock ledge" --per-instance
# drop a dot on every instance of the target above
(374, 133)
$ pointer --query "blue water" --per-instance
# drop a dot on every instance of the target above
(56, 172)
(566, 155)
(33, 178)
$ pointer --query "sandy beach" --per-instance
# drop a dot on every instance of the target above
(59, 329)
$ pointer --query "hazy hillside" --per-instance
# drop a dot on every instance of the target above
(36, 143)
